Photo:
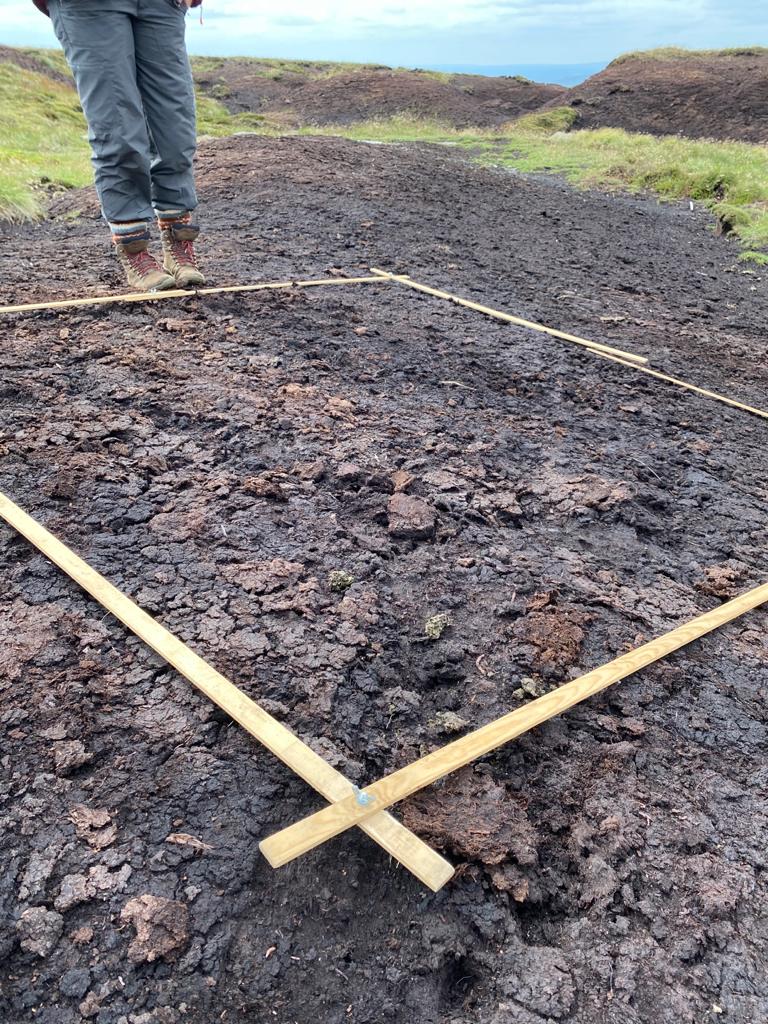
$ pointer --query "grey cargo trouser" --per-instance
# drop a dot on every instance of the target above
(135, 86)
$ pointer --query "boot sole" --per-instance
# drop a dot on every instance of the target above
(165, 286)
(195, 283)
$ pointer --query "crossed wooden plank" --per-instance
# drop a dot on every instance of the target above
(350, 806)
(428, 866)
(183, 293)
(304, 835)
(630, 359)
(497, 314)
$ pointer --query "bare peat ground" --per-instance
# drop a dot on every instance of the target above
(710, 96)
(379, 92)
(12, 55)
(220, 458)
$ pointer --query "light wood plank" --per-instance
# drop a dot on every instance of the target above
(497, 314)
(310, 832)
(432, 869)
(180, 293)
(689, 387)
(634, 362)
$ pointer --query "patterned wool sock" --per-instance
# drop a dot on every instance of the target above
(166, 217)
(128, 229)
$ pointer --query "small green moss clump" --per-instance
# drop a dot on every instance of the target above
(760, 258)
(436, 625)
(340, 579)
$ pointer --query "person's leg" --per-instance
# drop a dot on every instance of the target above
(97, 38)
(165, 82)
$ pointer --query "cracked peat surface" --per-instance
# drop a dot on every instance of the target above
(295, 483)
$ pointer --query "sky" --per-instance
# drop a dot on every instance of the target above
(425, 33)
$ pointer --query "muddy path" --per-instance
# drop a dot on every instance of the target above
(224, 459)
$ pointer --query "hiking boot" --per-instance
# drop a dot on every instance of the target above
(142, 270)
(178, 234)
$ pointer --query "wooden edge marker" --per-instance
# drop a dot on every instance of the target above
(432, 869)
(689, 387)
(596, 346)
(634, 362)
(180, 293)
(312, 831)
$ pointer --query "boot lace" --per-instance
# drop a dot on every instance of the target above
(184, 252)
(143, 262)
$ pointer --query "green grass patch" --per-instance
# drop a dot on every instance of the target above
(42, 141)
(312, 70)
(760, 258)
(546, 122)
(213, 119)
(400, 128)
(731, 178)
(275, 68)
(53, 59)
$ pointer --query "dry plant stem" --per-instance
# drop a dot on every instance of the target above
(497, 314)
(310, 832)
(432, 869)
(180, 293)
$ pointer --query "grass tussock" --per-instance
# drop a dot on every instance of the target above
(399, 128)
(760, 258)
(54, 60)
(544, 122)
(213, 119)
(268, 67)
(671, 53)
(312, 70)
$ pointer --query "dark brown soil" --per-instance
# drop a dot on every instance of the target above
(459, 100)
(721, 97)
(11, 55)
(219, 458)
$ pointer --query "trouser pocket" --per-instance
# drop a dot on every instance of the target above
(58, 24)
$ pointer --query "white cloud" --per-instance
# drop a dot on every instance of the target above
(434, 31)
(251, 18)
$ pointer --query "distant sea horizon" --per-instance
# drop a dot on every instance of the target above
(554, 74)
